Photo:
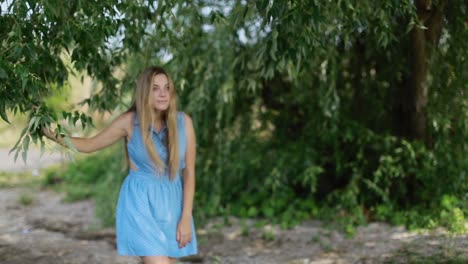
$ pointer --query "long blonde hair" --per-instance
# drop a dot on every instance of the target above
(143, 107)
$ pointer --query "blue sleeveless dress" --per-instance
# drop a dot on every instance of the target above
(150, 205)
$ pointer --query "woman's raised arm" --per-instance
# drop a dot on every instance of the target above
(117, 129)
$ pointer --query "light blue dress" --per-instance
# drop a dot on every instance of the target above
(149, 206)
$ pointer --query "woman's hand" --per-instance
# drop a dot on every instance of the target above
(184, 231)
(48, 133)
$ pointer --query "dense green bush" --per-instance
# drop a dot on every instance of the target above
(354, 175)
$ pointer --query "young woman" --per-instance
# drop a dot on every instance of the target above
(154, 209)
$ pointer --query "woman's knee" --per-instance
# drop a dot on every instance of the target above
(157, 260)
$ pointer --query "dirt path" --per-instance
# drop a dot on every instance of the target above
(50, 231)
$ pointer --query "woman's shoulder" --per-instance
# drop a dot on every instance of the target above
(128, 116)
(126, 119)
(183, 116)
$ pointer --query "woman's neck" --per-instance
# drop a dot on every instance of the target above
(158, 120)
(158, 116)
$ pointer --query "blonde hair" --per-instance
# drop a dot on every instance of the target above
(143, 107)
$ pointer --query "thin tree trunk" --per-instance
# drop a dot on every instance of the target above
(423, 42)
(424, 39)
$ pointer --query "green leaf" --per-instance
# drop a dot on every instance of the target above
(83, 120)
(252, 212)
(19, 141)
(42, 147)
(90, 122)
(3, 114)
(70, 157)
(273, 49)
(16, 154)
(76, 117)
(3, 74)
(36, 123)
(26, 143)
(24, 81)
(31, 122)
(69, 144)
(24, 155)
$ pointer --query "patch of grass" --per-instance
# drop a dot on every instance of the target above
(323, 244)
(315, 239)
(260, 223)
(405, 256)
(226, 220)
(217, 227)
(245, 230)
(202, 239)
(78, 192)
(25, 199)
(268, 235)
(215, 259)
(19, 179)
(447, 254)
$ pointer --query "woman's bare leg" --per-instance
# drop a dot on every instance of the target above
(156, 260)
(172, 260)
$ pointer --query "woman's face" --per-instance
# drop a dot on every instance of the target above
(160, 93)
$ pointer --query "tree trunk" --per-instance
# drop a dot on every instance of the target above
(423, 42)
(413, 94)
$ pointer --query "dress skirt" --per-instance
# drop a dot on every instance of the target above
(148, 211)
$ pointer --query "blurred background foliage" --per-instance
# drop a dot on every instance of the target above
(352, 111)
